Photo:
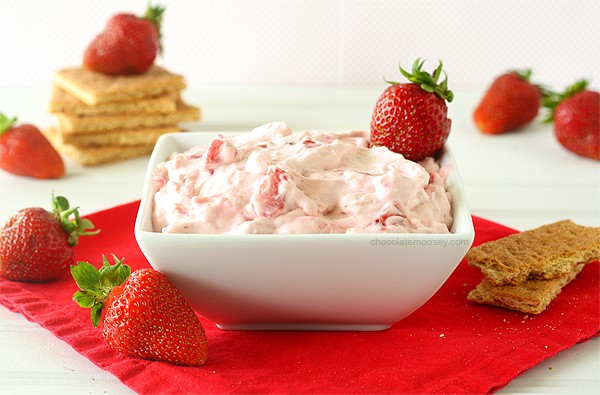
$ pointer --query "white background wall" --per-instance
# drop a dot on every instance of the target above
(319, 42)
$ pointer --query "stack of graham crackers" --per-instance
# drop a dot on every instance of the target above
(526, 271)
(104, 118)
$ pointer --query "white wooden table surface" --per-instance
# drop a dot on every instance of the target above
(522, 180)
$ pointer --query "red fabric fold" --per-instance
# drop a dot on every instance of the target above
(449, 345)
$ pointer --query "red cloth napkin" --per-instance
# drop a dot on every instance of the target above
(449, 345)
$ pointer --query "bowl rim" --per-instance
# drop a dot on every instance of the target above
(462, 226)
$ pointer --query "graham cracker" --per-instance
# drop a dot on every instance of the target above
(128, 137)
(94, 88)
(75, 124)
(97, 155)
(63, 102)
(531, 296)
(547, 252)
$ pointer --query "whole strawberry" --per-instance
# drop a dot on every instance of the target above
(412, 118)
(37, 245)
(142, 313)
(25, 151)
(510, 103)
(128, 45)
(576, 117)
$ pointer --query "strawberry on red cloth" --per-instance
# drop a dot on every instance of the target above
(449, 345)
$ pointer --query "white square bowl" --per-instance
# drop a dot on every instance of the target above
(363, 282)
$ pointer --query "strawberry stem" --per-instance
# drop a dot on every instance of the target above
(74, 227)
(551, 99)
(95, 285)
(6, 123)
(429, 82)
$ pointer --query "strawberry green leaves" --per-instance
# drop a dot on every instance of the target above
(6, 123)
(95, 284)
(429, 82)
(73, 227)
(154, 15)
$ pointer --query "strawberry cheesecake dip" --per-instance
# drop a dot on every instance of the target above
(274, 180)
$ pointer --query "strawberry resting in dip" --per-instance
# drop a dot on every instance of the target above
(412, 118)
(273, 180)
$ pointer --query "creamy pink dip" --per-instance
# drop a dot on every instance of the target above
(272, 180)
